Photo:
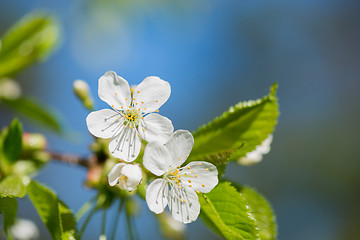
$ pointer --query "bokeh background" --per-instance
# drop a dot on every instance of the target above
(215, 54)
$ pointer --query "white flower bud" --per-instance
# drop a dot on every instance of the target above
(9, 89)
(257, 155)
(82, 91)
(128, 176)
(24, 229)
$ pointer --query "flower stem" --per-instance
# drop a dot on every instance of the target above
(116, 220)
(87, 221)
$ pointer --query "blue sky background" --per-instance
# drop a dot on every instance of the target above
(215, 54)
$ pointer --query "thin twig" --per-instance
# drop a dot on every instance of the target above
(73, 159)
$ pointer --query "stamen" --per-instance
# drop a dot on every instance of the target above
(188, 167)
(195, 175)
(206, 169)
(197, 191)
(203, 185)
(199, 163)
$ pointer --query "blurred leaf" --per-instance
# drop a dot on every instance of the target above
(262, 211)
(13, 142)
(54, 213)
(247, 123)
(68, 223)
(35, 111)
(31, 39)
(8, 207)
(227, 212)
(13, 186)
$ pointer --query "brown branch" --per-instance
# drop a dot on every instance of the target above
(73, 159)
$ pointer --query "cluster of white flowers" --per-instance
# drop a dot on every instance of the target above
(134, 117)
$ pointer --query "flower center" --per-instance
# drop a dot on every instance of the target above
(132, 117)
(175, 175)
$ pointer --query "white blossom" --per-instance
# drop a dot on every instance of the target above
(257, 155)
(132, 116)
(128, 176)
(179, 185)
(24, 229)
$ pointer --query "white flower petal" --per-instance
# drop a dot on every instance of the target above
(180, 145)
(203, 176)
(157, 158)
(114, 90)
(115, 173)
(151, 94)
(133, 176)
(156, 195)
(126, 145)
(157, 128)
(183, 204)
(103, 123)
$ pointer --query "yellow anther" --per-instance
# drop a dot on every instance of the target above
(186, 155)
(178, 166)
(186, 201)
(195, 175)
(206, 169)
(142, 117)
(136, 103)
(129, 106)
(112, 106)
(144, 108)
(190, 186)
(203, 185)
(157, 111)
(142, 102)
(127, 110)
(179, 158)
(131, 126)
(144, 129)
(199, 163)
(133, 98)
(188, 167)
(138, 135)
(138, 109)
(121, 107)
(181, 200)
(184, 173)
(138, 91)
(125, 99)
(189, 181)
(176, 170)
(192, 171)
(115, 93)
(132, 90)
(156, 101)
(197, 191)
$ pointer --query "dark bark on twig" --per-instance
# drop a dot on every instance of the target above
(74, 159)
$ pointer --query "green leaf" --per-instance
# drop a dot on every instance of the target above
(31, 39)
(38, 112)
(247, 123)
(262, 211)
(68, 223)
(238, 212)
(227, 212)
(8, 207)
(57, 217)
(13, 186)
(13, 142)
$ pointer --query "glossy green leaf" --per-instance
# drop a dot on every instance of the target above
(38, 112)
(247, 123)
(227, 212)
(68, 223)
(237, 212)
(31, 39)
(262, 211)
(13, 142)
(58, 219)
(13, 186)
(8, 207)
